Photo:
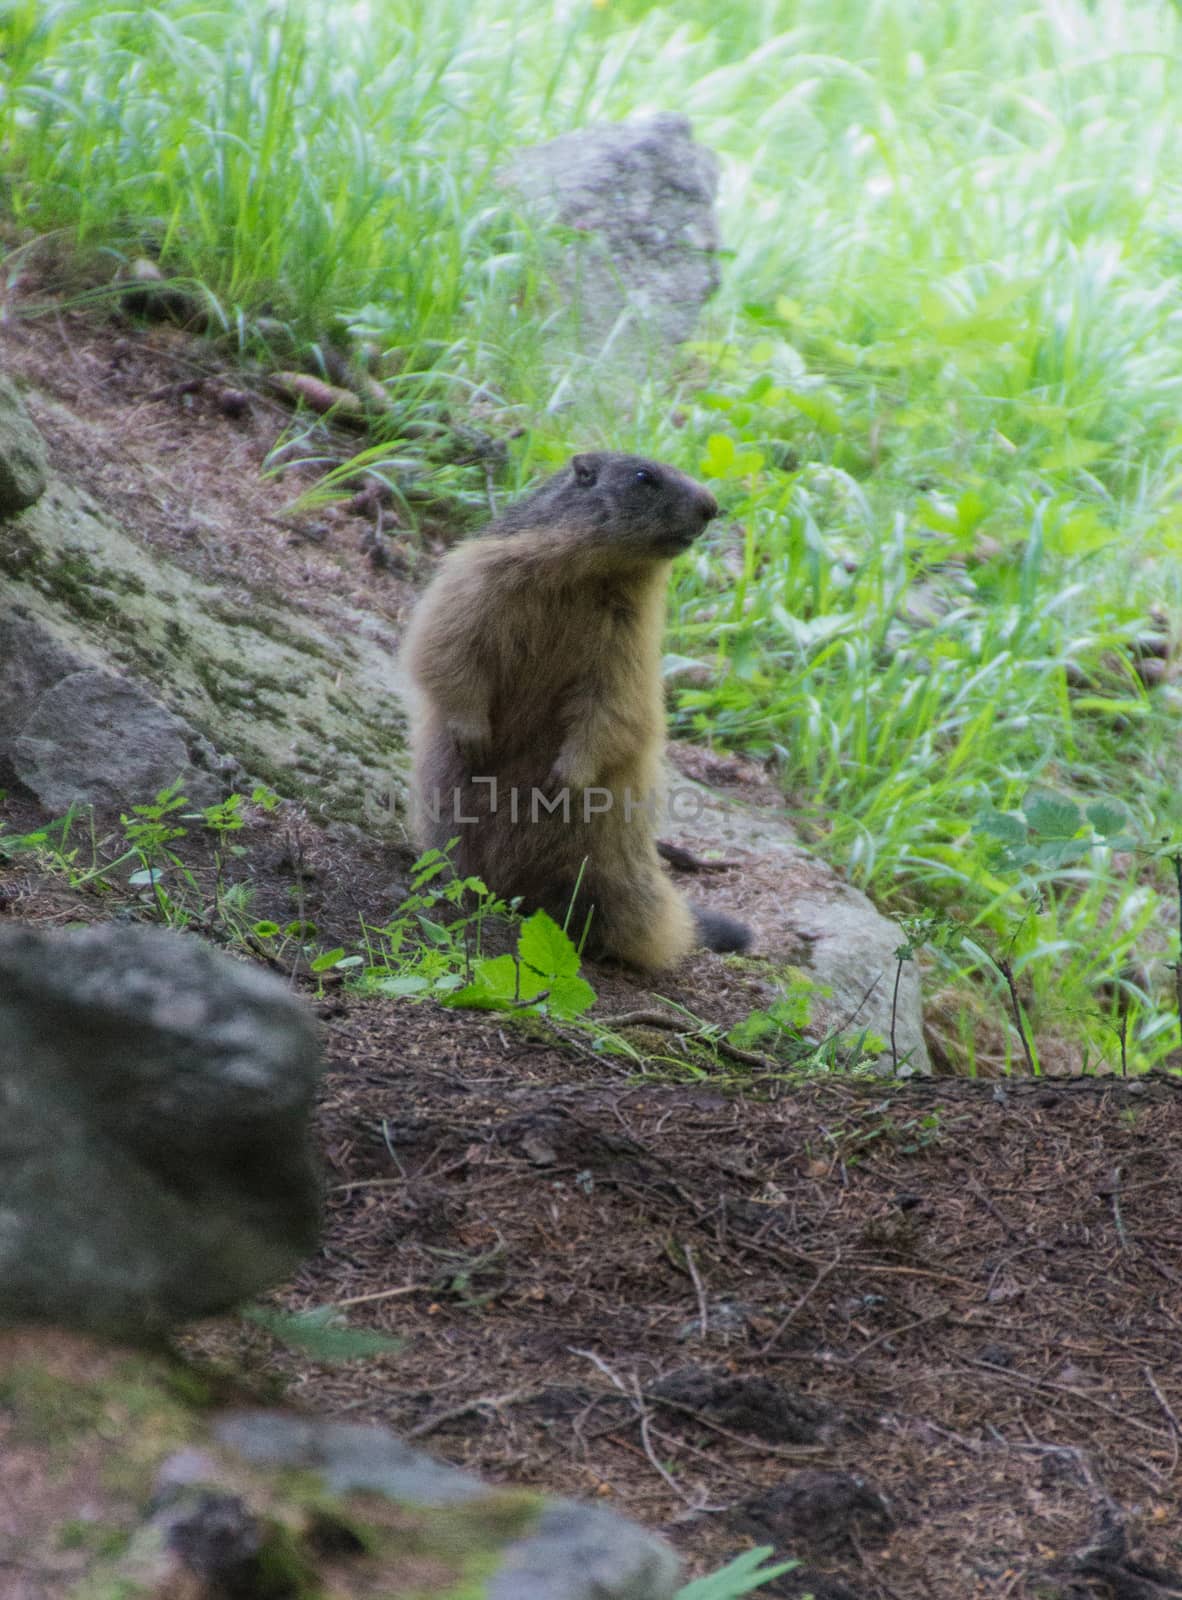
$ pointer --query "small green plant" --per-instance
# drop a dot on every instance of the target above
(907, 1136)
(540, 978)
(149, 832)
(430, 945)
(779, 1030)
(433, 947)
(70, 847)
(743, 1575)
(1045, 858)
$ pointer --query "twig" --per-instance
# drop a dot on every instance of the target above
(644, 1019)
(1166, 1407)
(797, 1453)
(1043, 1385)
(894, 1013)
(381, 1294)
(1007, 972)
(849, 1018)
(496, 1401)
(691, 1264)
(684, 860)
(979, 1194)
(693, 1028)
(895, 1333)
(1111, 1192)
(770, 1343)
(642, 1413)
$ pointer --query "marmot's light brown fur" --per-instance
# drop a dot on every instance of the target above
(536, 656)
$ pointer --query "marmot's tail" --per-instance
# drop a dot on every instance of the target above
(717, 931)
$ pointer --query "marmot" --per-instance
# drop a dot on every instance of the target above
(540, 725)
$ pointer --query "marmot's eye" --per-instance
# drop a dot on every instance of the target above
(643, 475)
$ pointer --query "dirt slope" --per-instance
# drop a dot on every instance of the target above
(926, 1337)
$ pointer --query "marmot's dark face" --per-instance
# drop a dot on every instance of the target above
(608, 503)
(638, 505)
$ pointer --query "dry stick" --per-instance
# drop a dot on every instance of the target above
(687, 1251)
(637, 1400)
(1007, 972)
(381, 1294)
(777, 1333)
(1043, 1385)
(697, 1027)
(1111, 1193)
(895, 1333)
(749, 1441)
(1010, 1231)
(496, 1401)
(692, 1027)
(1175, 1425)
(894, 1014)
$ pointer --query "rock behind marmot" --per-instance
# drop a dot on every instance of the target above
(540, 722)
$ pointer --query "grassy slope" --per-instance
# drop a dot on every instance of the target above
(939, 390)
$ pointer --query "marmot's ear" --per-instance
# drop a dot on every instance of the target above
(586, 470)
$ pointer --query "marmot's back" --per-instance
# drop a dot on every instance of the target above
(538, 739)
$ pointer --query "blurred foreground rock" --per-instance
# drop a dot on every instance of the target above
(154, 1129)
(118, 1477)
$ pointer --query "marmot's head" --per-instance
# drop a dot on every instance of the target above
(616, 502)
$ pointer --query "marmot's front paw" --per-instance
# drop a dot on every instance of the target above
(472, 736)
(571, 770)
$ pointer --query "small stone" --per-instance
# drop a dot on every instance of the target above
(23, 460)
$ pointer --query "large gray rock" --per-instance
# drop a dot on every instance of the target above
(154, 1106)
(637, 256)
(94, 738)
(23, 462)
(121, 672)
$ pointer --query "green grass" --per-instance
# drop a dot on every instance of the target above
(939, 393)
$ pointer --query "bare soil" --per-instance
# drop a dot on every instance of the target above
(925, 1336)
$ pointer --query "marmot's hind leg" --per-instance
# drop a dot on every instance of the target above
(644, 923)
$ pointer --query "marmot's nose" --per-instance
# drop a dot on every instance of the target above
(707, 506)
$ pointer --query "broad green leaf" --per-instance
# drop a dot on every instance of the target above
(1052, 817)
(411, 984)
(1108, 820)
(543, 946)
(499, 983)
(1000, 825)
(818, 408)
(569, 998)
(719, 457)
(322, 1334)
